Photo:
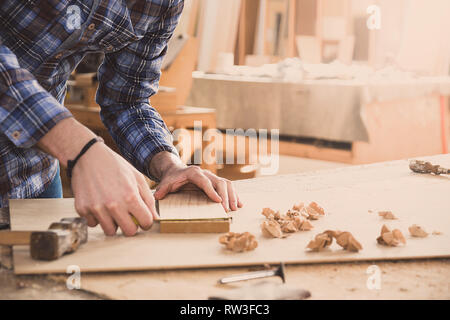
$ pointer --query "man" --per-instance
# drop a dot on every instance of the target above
(41, 42)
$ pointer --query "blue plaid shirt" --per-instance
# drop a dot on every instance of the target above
(41, 42)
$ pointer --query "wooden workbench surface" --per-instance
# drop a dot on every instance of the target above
(409, 280)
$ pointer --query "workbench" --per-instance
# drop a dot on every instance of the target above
(401, 279)
(375, 120)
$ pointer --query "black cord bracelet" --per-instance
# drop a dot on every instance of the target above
(71, 163)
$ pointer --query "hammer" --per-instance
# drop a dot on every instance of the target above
(426, 167)
(61, 237)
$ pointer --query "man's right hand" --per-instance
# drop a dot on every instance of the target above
(107, 189)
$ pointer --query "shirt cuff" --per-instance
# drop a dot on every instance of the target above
(32, 118)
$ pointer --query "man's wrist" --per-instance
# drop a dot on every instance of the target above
(163, 162)
(65, 140)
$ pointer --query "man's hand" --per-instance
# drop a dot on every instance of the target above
(174, 174)
(107, 189)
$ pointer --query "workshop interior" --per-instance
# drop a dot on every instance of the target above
(328, 120)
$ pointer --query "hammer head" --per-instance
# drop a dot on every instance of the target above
(61, 238)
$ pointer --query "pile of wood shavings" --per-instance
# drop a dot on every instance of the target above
(239, 242)
(343, 238)
(391, 238)
(295, 219)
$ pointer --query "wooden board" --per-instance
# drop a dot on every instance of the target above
(346, 193)
(191, 211)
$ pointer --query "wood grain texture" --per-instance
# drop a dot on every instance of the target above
(346, 194)
(191, 211)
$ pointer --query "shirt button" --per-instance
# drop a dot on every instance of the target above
(59, 55)
(16, 134)
(91, 26)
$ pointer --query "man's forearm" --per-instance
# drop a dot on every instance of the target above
(65, 140)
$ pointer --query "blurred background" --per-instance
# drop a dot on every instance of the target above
(344, 82)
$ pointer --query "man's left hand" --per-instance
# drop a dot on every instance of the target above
(173, 175)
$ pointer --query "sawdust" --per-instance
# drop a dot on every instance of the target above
(388, 215)
(417, 231)
(343, 238)
(239, 242)
(391, 238)
(436, 233)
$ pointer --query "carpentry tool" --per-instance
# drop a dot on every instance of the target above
(60, 238)
(263, 290)
(278, 272)
(427, 167)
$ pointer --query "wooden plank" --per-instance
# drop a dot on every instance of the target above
(193, 226)
(9, 238)
(346, 194)
(190, 211)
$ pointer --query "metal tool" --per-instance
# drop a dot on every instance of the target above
(278, 272)
(61, 237)
(427, 167)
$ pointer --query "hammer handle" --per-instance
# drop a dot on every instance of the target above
(11, 238)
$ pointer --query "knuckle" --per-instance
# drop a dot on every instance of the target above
(195, 169)
(112, 205)
(222, 183)
(96, 208)
(131, 198)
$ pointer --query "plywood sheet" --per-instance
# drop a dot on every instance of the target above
(346, 193)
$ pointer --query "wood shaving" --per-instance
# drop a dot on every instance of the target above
(288, 226)
(436, 233)
(390, 238)
(348, 242)
(293, 213)
(343, 238)
(298, 207)
(269, 213)
(271, 229)
(303, 224)
(239, 242)
(417, 231)
(313, 205)
(320, 242)
(312, 214)
(387, 215)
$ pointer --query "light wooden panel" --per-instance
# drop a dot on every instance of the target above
(347, 194)
(191, 211)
